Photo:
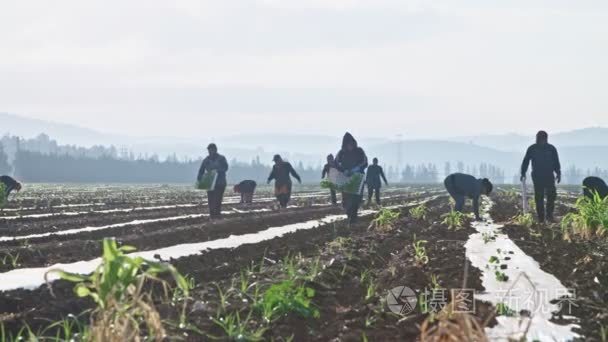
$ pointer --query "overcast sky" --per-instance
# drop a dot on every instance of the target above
(378, 67)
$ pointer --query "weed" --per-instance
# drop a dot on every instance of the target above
(237, 330)
(454, 220)
(419, 212)
(500, 276)
(285, 297)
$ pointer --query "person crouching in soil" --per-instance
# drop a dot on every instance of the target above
(350, 160)
(281, 173)
(593, 185)
(246, 188)
(460, 186)
(10, 185)
(215, 162)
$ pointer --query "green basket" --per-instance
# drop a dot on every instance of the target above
(207, 181)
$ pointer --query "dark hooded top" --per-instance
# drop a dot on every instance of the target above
(594, 184)
(461, 184)
(281, 172)
(10, 183)
(215, 162)
(545, 161)
(355, 160)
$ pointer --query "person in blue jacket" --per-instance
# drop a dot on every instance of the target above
(461, 186)
(350, 160)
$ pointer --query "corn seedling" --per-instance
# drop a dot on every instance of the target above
(419, 212)
(494, 260)
(420, 252)
(385, 220)
(503, 310)
(237, 330)
(11, 260)
(454, 220)
(116, 286)
(286, 297)
(524, 220)
(488, 237)
(68, 329)
(370, 291)
(591, 218)
(500, 276)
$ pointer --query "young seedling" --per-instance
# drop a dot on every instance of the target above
(385, 220)
(11, 260)
(524, 220)
(591, 218)
(285, 297)
(454, 220)
(419, 212)
(494, 260)
(503, 310)
(488, 237)
(500, 276)
(420, 255)
(237, 330)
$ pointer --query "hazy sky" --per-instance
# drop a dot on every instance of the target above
(378, 67)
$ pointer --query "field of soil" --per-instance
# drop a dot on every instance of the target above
(349, 268)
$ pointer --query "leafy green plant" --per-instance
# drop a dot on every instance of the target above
(207, 180)
(385, 220)
(420, 251)
(287, 297)
(352, 186)
(488, 237)
(494, 260)
(419, 212)
(500, 276)
(116, 287)
(525, 220)
(591, 218)
(454, 220)
(503, 310)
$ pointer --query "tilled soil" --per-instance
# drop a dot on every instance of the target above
(581, 266)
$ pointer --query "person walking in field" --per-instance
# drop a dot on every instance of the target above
(546, 170)
(592, 185)
(350, 160)
(246, 188)
(215, 162)
(374, 173)
(331, 163)
(10, 185)
(281, 173)
(460, 186)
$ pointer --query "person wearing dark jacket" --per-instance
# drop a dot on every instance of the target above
(281, 173)
(546, 170)
(460, 186)
(215, 162)
(374, 173)
(331, 162)
(592, 185)
(10, 185)
(350, 160)
(246, 188)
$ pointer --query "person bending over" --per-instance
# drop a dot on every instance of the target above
(592, 185)
(281, 173)
(246, 188)
(460, 186)
(10, 185)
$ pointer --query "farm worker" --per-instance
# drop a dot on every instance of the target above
(546, 170)
(331, 162)
(215, 162)
(281, 174)
(592, 185)
(246, 188)
(374, 173)
(350, 160)
(460, 186)
(10, 185)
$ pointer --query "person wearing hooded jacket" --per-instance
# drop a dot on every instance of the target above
(546, 170)
(350, 160)
(216, 162)
(282, 172)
